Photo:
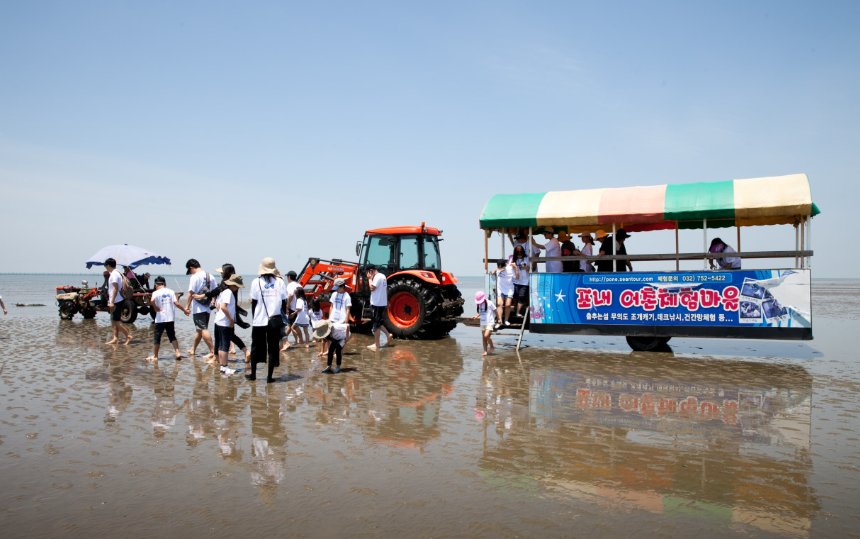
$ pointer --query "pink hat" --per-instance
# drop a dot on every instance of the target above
(480, 298)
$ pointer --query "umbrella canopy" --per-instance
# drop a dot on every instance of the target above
(757, 201)
(126, 255)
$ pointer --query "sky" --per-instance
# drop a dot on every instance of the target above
(229, 132)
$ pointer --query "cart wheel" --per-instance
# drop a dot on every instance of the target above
(129, 312)
(648, 344)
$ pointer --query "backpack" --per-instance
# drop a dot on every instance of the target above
(126, 291)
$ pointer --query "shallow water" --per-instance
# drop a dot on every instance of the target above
(572, 437)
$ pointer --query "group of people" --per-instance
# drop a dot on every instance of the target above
(279, 308)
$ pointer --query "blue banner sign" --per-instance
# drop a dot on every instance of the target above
(745, 299)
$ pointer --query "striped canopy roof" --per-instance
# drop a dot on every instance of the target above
(758, 201)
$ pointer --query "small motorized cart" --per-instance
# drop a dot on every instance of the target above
(88, 300)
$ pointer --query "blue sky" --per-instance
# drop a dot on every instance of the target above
(230, 132)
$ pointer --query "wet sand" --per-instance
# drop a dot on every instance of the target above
(572, 437)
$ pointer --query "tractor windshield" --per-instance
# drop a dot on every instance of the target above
(409, 258)
(379, 251)
(431, 254)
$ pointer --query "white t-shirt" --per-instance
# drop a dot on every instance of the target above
(523, 266)
(505, 279)
(488, 316)
(379, 297)
(291, 293)
(302, 308)
(340, 304)
(338, 333)
(530, 250)
(198, 281)
(553, 249)
(315, 316)
(225, 298)
(115, 278)
(164, 299)
(274, 291)
(729, 262)
(585, 265)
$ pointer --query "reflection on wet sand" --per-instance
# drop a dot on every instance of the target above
(724, 442)
(421, 439)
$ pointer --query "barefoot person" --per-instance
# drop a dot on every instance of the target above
(201, 282)
(115, 300)
(5, 312)
(268, 298)
(378, 303)
(227, 271)
(164, 303)
(292, 288)
(225, 319)
(336, 334)
(488, 318)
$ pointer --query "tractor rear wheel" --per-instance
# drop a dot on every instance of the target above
(128, 313)
(407, 308)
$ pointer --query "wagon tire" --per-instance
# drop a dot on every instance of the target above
(128, 312)
(647, 344)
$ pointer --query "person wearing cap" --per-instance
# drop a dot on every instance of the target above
(727, 263)
(378, 304)
(553, 248)
(225, 319)
(522, 239)
(227, 271)
(568, 249)
(340, 303)
(587, 250)
(268, 300)
(605, 239)
(200, 283)
(521, 280)
(621, 249)
(487, 315)
(163, 301)
(115, 300)
(292, 286)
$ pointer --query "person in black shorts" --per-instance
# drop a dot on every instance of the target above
(164, 303)
(378, 304)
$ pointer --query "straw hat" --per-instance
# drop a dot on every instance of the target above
(235, 280)
(322, 329)
(563, 236)
(600, 234)
(267, 267)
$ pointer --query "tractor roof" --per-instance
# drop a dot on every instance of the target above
(394, 230)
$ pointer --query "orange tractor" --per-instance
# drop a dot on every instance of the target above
(423, 300)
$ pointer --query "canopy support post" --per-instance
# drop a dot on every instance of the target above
(502, 237)
(529, 254)
(705, 241)
(739, 238)
(486, 251)
(802, 241)
(809, 240)
(797, 246)
(613, 247)
(677, 261)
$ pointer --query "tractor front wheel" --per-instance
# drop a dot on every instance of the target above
(407, 308)
(66, 310)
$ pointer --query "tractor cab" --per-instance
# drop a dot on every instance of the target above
(397, 249)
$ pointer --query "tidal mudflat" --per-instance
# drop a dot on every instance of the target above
(571, 437)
